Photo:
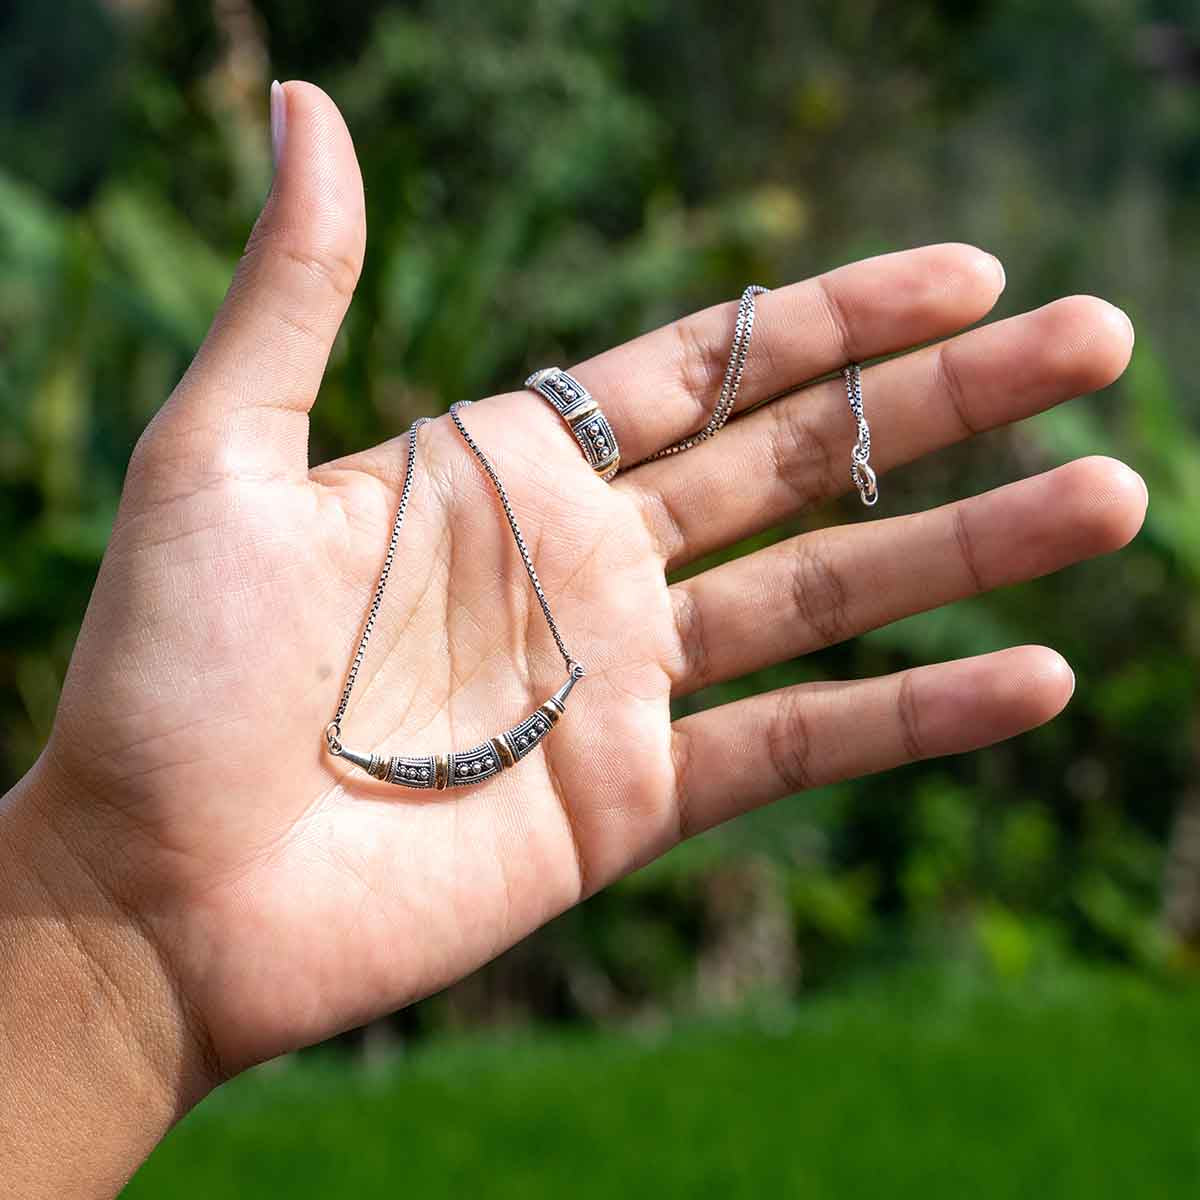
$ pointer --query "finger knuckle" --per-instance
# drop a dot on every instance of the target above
(789, 744)
(819, 593)
(701, 365)
(331, 262)
(838, 317)
(665, 522)
(908, 712)
(682, 756)
(800, 455)
(333, 265)
(965, 541)
(693, 658)
(953, 387)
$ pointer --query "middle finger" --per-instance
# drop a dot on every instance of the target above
(795, 451)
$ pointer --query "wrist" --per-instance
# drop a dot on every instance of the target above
(98, 1047)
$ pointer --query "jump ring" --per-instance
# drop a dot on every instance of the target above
(589, 426)
(864, 479)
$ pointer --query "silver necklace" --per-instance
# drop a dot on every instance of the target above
(743, 327)
(481, 762)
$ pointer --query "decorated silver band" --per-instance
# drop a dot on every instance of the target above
(574, 403)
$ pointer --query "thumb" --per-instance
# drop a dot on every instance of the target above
(243, 404)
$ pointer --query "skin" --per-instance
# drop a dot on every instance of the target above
(190, 885)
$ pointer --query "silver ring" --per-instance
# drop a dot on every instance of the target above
(574, 403)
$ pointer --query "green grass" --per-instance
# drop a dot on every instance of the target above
(1078, 1086)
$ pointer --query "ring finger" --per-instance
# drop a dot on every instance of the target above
(823, 587)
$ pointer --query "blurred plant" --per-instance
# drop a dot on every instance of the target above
(547, 179)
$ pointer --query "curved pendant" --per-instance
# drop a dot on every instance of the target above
(465, 767)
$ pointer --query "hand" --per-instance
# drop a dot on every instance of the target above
(288, 895)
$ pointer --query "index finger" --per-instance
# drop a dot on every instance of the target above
(662, 386)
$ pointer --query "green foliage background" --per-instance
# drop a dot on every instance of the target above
(666, 152)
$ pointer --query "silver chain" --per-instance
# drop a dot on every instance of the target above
(743, 327)
(333, 731)
(860, 456)
(574, 668)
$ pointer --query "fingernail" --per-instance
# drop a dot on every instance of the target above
(1000, 272)
(1140, 480)
(278, 121)
(1129, 322)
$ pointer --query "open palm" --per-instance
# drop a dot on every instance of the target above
(291, 895)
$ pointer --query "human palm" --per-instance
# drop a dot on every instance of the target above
(291, 895)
